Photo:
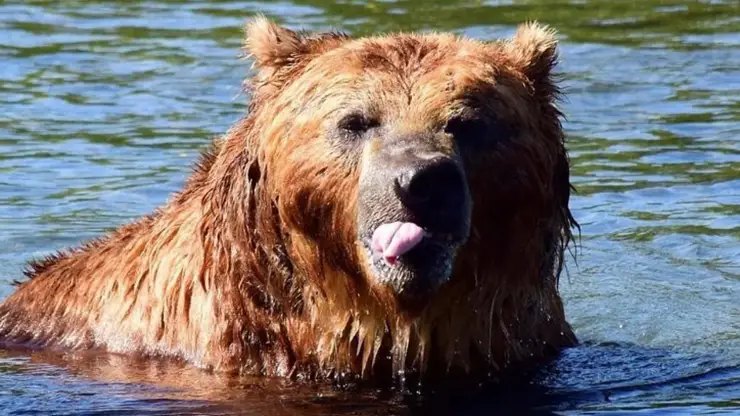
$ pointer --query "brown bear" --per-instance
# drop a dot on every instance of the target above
(390, 204)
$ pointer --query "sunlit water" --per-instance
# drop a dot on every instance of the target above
(104, 105)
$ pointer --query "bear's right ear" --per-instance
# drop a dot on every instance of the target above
(270, 45)
(273, 47)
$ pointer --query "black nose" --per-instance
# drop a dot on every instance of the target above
(433, 189)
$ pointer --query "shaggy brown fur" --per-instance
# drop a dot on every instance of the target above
(254, 267)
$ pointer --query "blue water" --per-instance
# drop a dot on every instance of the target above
(105, 105)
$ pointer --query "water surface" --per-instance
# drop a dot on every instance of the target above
(106, 104)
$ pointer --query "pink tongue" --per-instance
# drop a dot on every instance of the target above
(394, 239)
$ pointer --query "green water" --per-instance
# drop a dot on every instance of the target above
(104, 105)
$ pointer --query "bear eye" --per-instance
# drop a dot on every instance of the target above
(356, 124)
(464, 127)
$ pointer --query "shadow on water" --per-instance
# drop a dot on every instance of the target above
(588, 377)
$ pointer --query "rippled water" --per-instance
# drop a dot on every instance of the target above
(104, 106)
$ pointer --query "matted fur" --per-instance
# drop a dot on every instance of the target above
(254, 267)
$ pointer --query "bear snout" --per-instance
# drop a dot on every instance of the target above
(434, 191)
(416, 178)
(414, 213)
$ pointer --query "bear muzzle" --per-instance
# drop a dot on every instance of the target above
(413, 216)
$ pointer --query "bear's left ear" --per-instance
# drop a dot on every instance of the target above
(273, 47)
(533, 50)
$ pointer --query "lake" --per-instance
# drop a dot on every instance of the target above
(106, 104)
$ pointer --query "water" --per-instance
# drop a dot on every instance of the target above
(105, 105)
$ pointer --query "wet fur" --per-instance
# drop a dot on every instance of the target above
(254, 267)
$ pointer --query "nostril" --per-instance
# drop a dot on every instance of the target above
(421, 186)
(435, 182)
(407, 189)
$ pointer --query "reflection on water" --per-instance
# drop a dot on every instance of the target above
(106, 103)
